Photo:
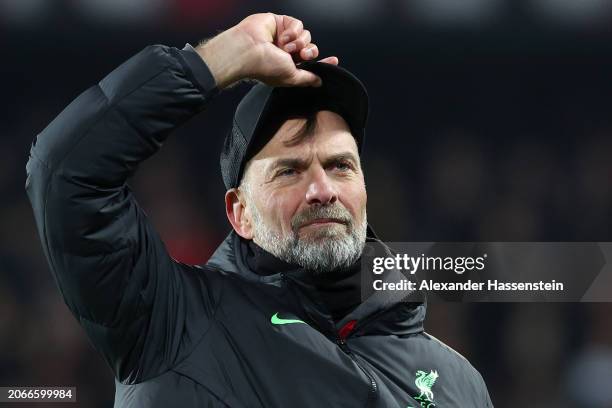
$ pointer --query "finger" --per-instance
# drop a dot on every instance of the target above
(305, 78)
(330, 60)
(309, 52)
(299, 43)
(280, 27)
(293, 28)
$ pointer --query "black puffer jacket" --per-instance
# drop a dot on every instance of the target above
(221, 334)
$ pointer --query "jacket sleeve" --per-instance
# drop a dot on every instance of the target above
(139, 307)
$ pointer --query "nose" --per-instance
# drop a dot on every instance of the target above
(321, 189)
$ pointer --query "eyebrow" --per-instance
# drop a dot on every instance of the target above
(341, 156)
(297, 163)
(291, 162)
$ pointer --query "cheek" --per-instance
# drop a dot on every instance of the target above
(281, 207)
(355, 199)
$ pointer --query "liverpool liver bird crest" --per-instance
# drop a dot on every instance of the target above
(424, 382)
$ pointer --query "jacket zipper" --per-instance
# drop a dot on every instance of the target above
(373, 386)
(341, 341)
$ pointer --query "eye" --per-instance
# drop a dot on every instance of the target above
(343, 165)
(286, 172)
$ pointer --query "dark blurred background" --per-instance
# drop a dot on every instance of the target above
(490, 121)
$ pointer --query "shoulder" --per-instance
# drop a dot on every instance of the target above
(447, 352)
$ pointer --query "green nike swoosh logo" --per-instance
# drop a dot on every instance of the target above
(277, 320)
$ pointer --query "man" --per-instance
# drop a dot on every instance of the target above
(276, 317)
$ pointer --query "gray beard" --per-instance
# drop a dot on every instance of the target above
(330, 249)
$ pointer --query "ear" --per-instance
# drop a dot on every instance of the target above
(235, 209)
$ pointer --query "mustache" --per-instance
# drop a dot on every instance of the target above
(335, 212)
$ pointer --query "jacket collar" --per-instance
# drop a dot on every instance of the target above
(381, 312)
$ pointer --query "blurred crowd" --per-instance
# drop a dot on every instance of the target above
(482, 128)
(439, 13)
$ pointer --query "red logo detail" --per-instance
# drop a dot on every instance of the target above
(347, 328)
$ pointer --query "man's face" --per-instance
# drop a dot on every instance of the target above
(306, 202)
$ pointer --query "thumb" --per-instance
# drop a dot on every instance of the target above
(305, 78)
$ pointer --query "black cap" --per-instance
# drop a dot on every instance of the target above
(265, 108)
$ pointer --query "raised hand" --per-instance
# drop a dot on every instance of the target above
(265, 47)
